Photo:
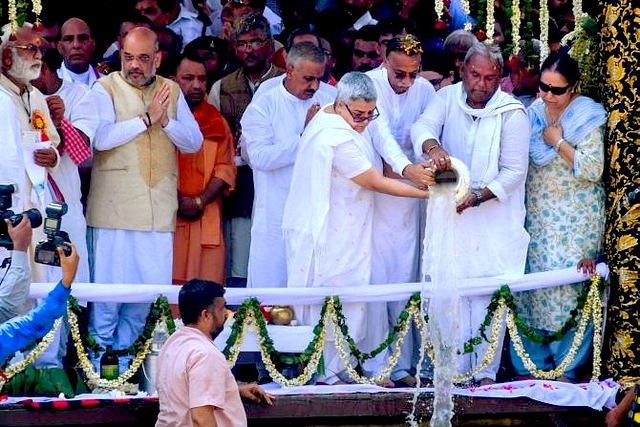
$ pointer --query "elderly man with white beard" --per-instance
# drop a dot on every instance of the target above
(21, 62)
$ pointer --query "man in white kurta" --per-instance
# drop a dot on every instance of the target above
(402, 97)
(133, 197)
(81, 115)
(488, 130)
(21, 63)
(76, 47)
(272, 127)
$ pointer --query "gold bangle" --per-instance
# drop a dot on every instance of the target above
(559, 144)
(432, 147)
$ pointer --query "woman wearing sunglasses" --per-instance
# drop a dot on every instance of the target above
(565, 208)
(329, 213)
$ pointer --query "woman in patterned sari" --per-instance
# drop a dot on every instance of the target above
(565, 209)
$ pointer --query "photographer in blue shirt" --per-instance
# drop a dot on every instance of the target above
(21, 331)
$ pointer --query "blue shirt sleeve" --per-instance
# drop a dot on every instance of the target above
(18, 333)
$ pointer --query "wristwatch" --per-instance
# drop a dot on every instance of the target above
(478, 195)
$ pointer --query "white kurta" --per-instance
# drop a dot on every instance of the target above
(494, 143)
(328, 220)
(11, 162)
(88, 78)
(396, 219)
(272, 127)
(35, 192)
(82, 113)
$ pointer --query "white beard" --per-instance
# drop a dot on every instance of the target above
(23, 70)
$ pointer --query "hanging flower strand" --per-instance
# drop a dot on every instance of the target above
(516, 16)
(13, 15)
(491, 22)
(466, 8)
(544, 30)
(37, 10)
(439, 7)
(577, 10)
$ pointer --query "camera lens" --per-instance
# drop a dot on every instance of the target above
(34, 218)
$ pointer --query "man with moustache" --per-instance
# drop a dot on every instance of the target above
(76, 47)
(272, 127)
(365, 51)
(253, 46)
(133, 199)
(402, 97)
(195, 385)
(21, 62)
(203, 178)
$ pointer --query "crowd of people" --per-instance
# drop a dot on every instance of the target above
(291, 144)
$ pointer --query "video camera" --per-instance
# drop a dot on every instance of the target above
(46, 251)
(6, 190)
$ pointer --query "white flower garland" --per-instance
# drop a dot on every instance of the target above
(592, 304)
(577, 10)
(544, 30)
(393, 359)
(93, 378)
(466, 8)
(491, 22)
(35, 353)
(13, 15)
(37, 8)
(596, 308)
(439, 6)
(314, 361)
(516, 17)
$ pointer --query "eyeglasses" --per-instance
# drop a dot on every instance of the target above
(554, 90)
(143, 58)
(360, 119)
(253, 44)
(372, 54)
(31, 48)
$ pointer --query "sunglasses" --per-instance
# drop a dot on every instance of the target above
(554, 90)
(360, 119)
(31, 48)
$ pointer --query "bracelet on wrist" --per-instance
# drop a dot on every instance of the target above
(198, 202)
(432, 147)
(147, 124)
(478, 196)
(148, 118)
(559, 144)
